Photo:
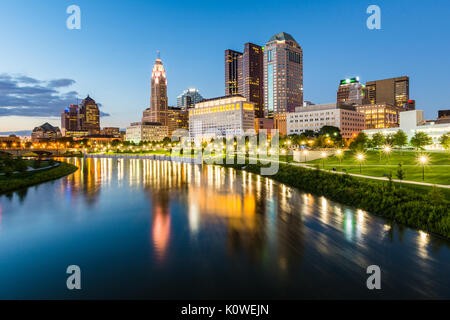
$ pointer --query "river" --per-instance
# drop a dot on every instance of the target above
(163, 230)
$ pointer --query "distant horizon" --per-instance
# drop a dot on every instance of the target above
(111, 57)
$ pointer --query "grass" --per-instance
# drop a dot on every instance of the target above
(23, 180)
(436, 171)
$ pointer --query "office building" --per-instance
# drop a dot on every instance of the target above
(279, 123)
(178, 118)
(89, 115)
(412, 122)
(188, 98)
(158, 100)
(221, 117)
(45, 132)
(381, 115)
(244, 75)
(264, 124)
(350, 92)
(146, 132)
(283, 75)
(349, 121)
(394, 92)
(70, 119)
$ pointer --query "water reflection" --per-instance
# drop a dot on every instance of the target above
(229, 227)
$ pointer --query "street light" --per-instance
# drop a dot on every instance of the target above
(339, 154)
(387, 150)
(324, 155)
(423, 160)
(360, 157)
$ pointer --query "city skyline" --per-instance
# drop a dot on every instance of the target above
(324, 59)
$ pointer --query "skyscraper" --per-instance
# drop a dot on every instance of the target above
(70, 119)
(244, 75)
(283, 75)
(158, 101)
(394, 91)
(188, 98)
(89, 116)
(350, 92)
(233, 67)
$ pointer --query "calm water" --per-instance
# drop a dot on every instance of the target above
(150, 229)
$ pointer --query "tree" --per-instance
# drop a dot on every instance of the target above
(420, 140)
(330, 132)
(400, 172)
(360, 142)
(444, 140)
(378, 140)
(400, 139)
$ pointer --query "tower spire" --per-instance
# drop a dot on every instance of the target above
(158, 54)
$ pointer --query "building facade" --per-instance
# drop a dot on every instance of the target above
(188, 98)
(378, 116)
(347, 119)
(146, 132)
(264, 124)
(283, 75)
(350, 92)
(45, 132)
(158, 100)
(70, 120)
(412, 122)
(244, 75)
(178, 118)
(221, 117)
(89, 115)
(394, 91)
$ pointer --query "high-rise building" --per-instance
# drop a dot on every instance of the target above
(283, 75)
(89, 115)
(158, 101)
(188, 98)
(178, 118)
(70, 119)
(244, 75)
(233, 71)
(350, 92)
(394, 91)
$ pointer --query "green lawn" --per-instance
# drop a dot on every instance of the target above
(436, 171)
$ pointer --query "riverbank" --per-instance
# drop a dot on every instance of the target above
(22, 180)
(429, 212)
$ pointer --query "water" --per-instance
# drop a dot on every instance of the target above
(161, 230)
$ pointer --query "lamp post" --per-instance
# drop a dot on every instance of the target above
(339, 154)
(387, 150)
(423, 161)
(324, 155)
(360, 158)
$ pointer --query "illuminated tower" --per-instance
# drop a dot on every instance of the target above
(158, 101)
(283, 75)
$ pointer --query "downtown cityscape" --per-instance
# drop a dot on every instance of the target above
(270, 183)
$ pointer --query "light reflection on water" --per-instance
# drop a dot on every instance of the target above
(172, 230)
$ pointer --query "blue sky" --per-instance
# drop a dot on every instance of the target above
(111, 57)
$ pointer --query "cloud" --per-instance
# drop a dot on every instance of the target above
(29, 97)
(61, 83)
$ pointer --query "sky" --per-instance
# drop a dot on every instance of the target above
(44, 66)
